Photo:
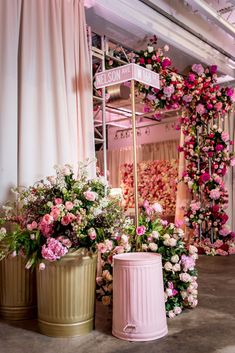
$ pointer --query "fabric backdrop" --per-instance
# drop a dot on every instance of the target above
(46, 97)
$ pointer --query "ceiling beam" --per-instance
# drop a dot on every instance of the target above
(213, 15)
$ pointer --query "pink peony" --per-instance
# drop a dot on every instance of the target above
(215, 194)
(46, 228)
(198, 68)
(90, 195)
(200, 109)
(195, 206)
(232, 162)
(140, 230)
(187, 262)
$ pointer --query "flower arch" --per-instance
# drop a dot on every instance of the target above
(206, 145)
(206, 148)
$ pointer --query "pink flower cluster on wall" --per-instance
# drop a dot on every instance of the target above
(157, 182)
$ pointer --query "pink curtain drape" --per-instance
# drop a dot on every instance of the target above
(46, 113)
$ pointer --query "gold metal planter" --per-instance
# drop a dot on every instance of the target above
(66, 296)
(17, 290)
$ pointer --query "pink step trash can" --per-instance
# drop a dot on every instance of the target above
(138, 297)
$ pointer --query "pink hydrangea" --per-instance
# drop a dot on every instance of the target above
(53, 250)
(187, 262)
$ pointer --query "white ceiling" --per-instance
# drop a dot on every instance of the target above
(191, 34)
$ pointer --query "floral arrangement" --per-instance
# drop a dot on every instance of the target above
(207, 145)
(60, 214)
(170, 94)
(207, 151)
(156, 235)
(157, 182)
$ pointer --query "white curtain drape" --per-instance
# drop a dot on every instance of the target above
(46, 113)
(149, 152)
(9, 30)
(55, 102)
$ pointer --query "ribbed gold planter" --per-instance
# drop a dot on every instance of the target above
(17, 290)
(66, 296)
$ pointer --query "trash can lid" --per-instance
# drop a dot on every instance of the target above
(135, 258)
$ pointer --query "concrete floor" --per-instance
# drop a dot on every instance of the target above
(210, 328)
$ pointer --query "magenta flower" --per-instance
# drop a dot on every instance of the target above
(219, 148)
(205, 177)
(229, 91)
(166, 63)
(191, 77)
(140, 230)
(213, 69)
(142, 61)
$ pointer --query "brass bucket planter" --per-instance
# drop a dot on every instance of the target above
(66, 296)
(17, 290)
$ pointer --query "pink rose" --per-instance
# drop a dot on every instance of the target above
(102, 248)
(90, 195)
(58, 201)
(47, 218)
(55, 212)
(140, 230)
(205, 177)
(32, 226)
(42, 266)
(218, 106)
(65, 220)
(69, 205)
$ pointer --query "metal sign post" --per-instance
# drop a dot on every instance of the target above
(130, 72)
